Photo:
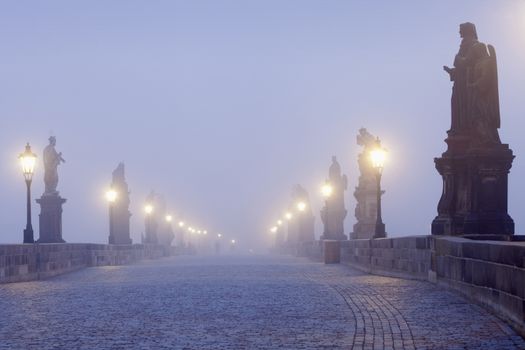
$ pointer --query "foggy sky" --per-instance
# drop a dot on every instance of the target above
(223, 106)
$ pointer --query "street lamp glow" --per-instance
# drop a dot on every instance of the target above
(169, 218)
(288, 216)
(301, 206)
(219, 235)
(205, 232)
(279, 222)
(148, 209)
(111, 196)
(28, 161)
(327, 190)
(181, 224)
(378, 158)
(233, 241)
(273, 229)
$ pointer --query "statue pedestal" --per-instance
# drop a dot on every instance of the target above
(50, 218)
(333, 221)
(475, 188)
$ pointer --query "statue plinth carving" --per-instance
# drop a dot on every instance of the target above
(476, 165)
(334, 213)
(366, 191)
(50, 218)
(119, 216)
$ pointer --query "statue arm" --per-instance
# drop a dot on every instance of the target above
(450, 72)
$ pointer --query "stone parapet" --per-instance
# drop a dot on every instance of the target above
(491, 273)
(27, 262)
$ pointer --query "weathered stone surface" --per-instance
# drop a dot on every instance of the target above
(242, 303)
(26, 262)
(331, 251)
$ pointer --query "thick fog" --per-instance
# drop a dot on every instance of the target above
(222, 106)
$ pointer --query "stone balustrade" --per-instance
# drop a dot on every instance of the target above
(491, 273)
(26, 262)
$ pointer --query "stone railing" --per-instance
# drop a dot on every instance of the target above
(26, 262)
(401, 257)
(491, 273)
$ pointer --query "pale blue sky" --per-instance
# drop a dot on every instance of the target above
(223, 105)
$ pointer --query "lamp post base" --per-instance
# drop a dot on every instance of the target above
(29, 236)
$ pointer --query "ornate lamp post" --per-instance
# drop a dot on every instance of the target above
(377, 157)
(111, 197)
(28, 160)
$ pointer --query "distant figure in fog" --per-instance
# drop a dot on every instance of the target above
(52, 159)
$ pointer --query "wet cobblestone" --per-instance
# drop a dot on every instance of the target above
(241, 303)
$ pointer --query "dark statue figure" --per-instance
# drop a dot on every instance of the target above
(366, 191)
(475, 101)
(119, 214)
(301, 228)
(52, 160)
(50, 219)
(333, 214)
(476, 164)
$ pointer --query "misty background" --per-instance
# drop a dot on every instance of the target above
(222, 106)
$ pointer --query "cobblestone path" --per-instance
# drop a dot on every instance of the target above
(241, 303)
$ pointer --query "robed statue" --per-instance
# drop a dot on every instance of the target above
(476, 164)
(475, 100)
(52, 159)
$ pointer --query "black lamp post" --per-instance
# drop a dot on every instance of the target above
(377, 157)
(28, 160)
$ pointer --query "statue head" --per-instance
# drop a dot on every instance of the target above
(335, 169)
(52, 140)
(467, 30)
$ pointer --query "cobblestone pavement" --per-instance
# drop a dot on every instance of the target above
(241, 303)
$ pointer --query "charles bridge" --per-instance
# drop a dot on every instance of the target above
(461, 287)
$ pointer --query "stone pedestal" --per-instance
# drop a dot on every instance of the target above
(333, 224)
(119, 225)
(332, 252)
(474, 197)
(50, 218)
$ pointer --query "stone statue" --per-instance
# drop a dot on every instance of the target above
(476, 164)
(302, 228)
(475, 100)
(366, 191)
(51, 161)
(119, 230)
(334, 212)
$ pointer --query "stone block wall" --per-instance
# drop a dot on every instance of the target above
(26, 262)
(404, 256)
(491, 273)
